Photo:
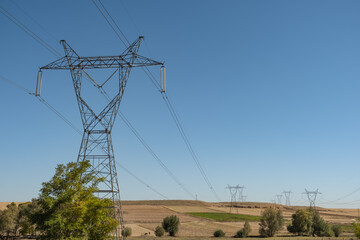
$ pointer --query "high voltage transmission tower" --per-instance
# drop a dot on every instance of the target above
(287, 197)
(236, 195)
(279, 198)
(312, 196)
(96, 145)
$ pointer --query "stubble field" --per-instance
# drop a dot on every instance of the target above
(144, 216)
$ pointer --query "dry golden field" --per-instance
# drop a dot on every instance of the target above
(144, 216)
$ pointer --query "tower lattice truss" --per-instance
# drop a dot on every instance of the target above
(96, 145)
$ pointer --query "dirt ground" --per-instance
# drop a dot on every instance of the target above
(149, 214)
(144, 216)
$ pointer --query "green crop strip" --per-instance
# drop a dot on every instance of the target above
(225, 217)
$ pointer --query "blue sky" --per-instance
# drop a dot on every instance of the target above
(267, 92)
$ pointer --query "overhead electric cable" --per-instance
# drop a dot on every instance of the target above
(32, 19)
(109, 23)
(62, 117)
(345, 196)
(170, 108)
(112, 19)
(149, 149)
(167, 170)
(28, 31)
(42, 100)
(141, 181)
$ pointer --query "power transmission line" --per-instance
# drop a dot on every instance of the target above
(68, 122)
(22, 26)
(107, 20)
(167, 101)
(148, 148)
(341, 198)
(74, 127)
(32, 19)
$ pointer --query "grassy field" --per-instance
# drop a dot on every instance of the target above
(225, 217)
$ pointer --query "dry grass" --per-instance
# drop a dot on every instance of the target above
(151, 214)
(144, 216)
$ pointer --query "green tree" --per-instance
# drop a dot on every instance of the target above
(171, 225)
(337, 230)
(244, 232)
(9, 224)
(240, 234)
(357, 228)
(127, 232)
(68, 208)
(301, 222)
(247, 228)
(320, 227)
(26, 210)
(219, 233)
(271, 222)
(159, 231)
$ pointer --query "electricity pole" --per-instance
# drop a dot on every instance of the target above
(96, 145)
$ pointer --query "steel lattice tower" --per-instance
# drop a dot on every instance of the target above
(287, 197)
(279, 198)
(96, 145)
(312, 196)
(236, 195)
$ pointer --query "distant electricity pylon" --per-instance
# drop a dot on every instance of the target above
(312, 196)
(287, 197)
(236, 195)
(96, 145)
(279, 198)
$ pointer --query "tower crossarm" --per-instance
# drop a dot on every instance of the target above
(129, 58)
(68, 63)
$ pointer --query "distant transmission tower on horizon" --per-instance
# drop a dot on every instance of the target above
(312, 196)
(279, 198)
(236, 195)
(287, 197)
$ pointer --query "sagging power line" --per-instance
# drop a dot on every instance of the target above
(161, 88)
(99, 87)
(68, 122)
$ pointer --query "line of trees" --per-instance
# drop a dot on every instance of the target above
(304, 222)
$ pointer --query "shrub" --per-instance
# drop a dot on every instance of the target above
(239, 234)
(244, 232)
(357, 228)
(320, 227)
(271, 222)
(127, 232)
(301, 222)
(247, 228)
(219, 233)
(337, 230)
(159, 231)
(171, 225)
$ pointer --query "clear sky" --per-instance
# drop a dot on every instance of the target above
(267, 91)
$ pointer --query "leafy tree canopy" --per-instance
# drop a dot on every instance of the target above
(271, 222)
(68, 208)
